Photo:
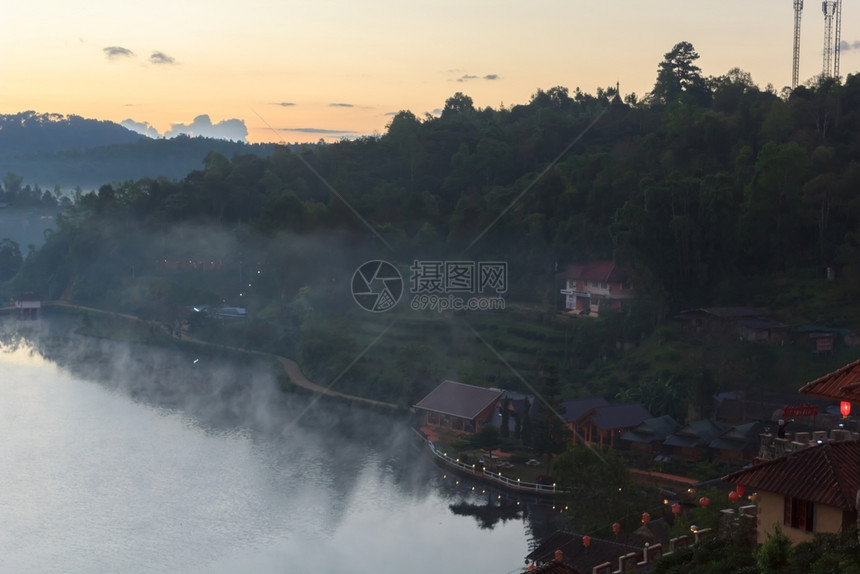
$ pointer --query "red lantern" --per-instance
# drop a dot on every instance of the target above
(740, 490)
(676, 509)
(616, 528)
(845, 408)
(559, 555)
(586, 541)
(704, 501)
(733, 496)
(645, 517)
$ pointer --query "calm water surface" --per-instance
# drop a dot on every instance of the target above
(94, 479)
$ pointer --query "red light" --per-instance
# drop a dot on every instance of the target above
(704, 501)
(733, 496)
(740, 490)
(645, 517)
(845, 408)
(586, 541)
(616, 528)
(676, 508)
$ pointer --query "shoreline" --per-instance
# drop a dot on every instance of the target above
(494, 478)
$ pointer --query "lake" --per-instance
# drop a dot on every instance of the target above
(126, 458)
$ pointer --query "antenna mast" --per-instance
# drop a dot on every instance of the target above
(838, 39)
(798, 8)
(829, 9)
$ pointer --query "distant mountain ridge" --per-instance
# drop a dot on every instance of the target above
(71, 151)
(30, 132)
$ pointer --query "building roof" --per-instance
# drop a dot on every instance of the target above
(458, 399)
(722, 312)
(696, 433)
(739, 437)
(575, 554)
(761, 323)
(555, 568)
(577, 408)
(842, 384)
(618, 416)
(600, 550)
(603, 271)
(650, 430)
(828, 473)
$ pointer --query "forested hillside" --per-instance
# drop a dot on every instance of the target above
(55, 151)
(712, 190)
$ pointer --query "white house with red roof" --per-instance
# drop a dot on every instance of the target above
(593, 287)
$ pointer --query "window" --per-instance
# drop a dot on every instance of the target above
(798, 513)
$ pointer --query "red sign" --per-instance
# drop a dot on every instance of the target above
(800, 411)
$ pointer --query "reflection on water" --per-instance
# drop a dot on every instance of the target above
(118, 458)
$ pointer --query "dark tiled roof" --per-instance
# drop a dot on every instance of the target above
(761, 323)
(842, 384)
(619, 416)
(576, 554)
(555, 568)
(458, 399)
(604, 271)
(652, 429)
(575, 409)
(696, 433)
(600, 550)
(724, 312)
(826, 474)
(739, 437)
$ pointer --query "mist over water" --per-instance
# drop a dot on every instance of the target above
(121, 458)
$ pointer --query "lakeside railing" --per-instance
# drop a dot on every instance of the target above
(498, 478)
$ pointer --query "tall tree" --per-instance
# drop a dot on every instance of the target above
(678, 74)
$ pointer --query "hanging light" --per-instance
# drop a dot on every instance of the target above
(845, 408)
(616, 528)
(586, 541)
(740, 490)
(645, 517)
(676, 509)
(704, 501)
(733, 496)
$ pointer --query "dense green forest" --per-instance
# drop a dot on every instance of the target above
(711, 190)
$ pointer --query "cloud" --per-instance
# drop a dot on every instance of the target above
(160, 58)
(232, 129)
(341, 105)
(144, 128)
(114, 52)
(845, 46)
(468, 77)
(285, 104)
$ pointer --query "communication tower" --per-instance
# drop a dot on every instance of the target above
(838, 39)
(798, 8)
(829, 9)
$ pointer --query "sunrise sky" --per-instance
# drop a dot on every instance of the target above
(335, 68)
